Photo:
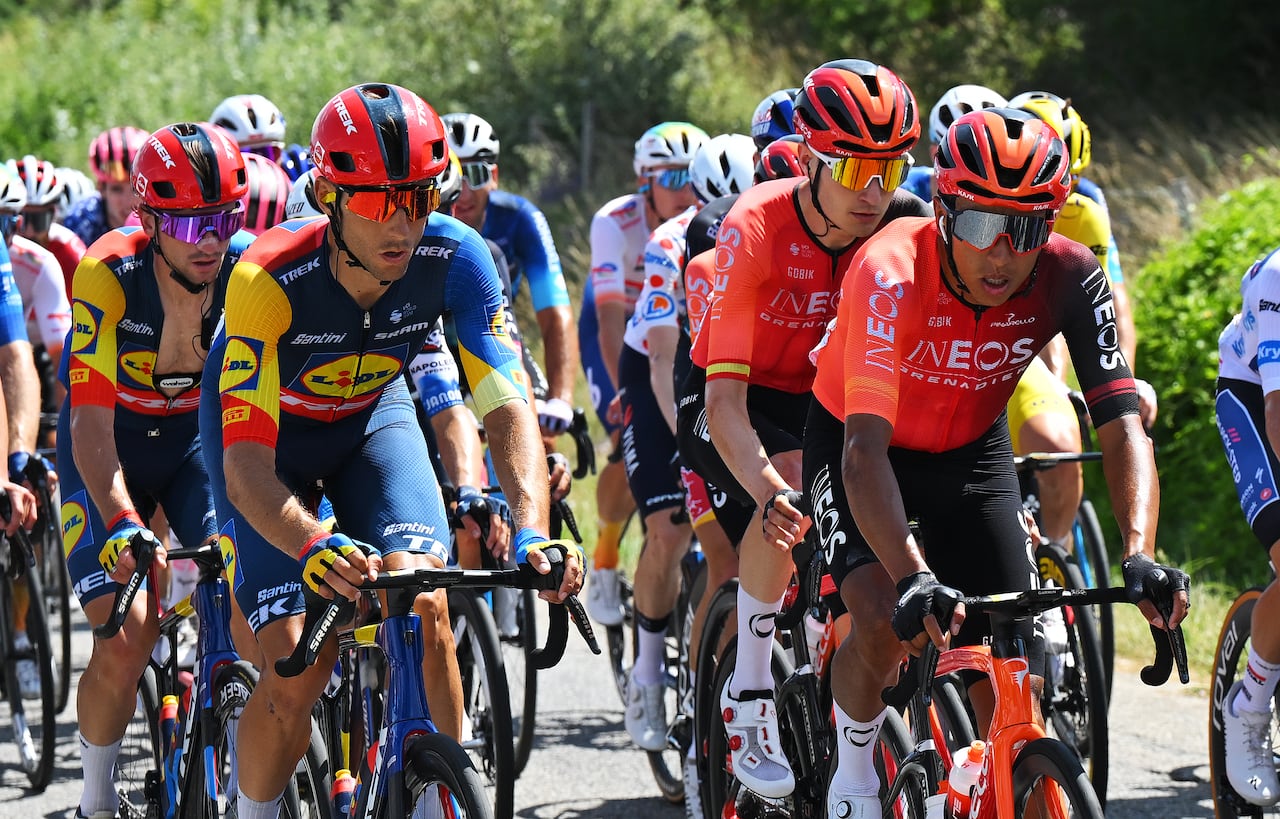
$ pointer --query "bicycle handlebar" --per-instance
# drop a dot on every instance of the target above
(1039, 461)
(22, 556)
(1170, 649)
(207, 555)
(323, 614)
(585, 449)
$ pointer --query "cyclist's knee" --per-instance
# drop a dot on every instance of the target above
(433, 608)
(1049, 432)
(789, 465)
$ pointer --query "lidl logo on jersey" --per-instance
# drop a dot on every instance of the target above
(137, 365)
(241, 362)
(227, 546)
(75, 522)
(341, 376)
(85, 320)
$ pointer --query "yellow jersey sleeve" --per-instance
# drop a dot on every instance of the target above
(257, 315)
(96, 308)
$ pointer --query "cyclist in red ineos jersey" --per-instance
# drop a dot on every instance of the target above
(779, 256)
(937, 320)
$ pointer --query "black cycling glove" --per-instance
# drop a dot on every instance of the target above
(1144, 579)
(920, 595)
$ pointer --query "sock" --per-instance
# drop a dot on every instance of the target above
(1259, 684)
(247, 808)
(855, 773)
(608, 536)
(651, 650)
(99, 763)
(755, 644)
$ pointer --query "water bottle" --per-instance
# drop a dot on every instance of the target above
(966, 767)
(342, 794)
(169, 723)
(935, 806)
(814, 632)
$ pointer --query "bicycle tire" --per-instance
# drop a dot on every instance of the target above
(1229, 659)
(619, 641)
(1048, 759)
(436, 760)
(1095, 551)
(706, 698)
(667, 765)
(56, 582)
(893, 745)
(728, 798)
(485, 698)
(33, 724)
(1075, 703)
(958, 722)
(522, 675)
(139, 757)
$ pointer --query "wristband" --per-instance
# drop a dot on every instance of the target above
(129, 514)
(311, 544)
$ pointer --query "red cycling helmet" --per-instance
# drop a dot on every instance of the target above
(267, 194)
(377, 134)
(188, 166)
(111, 153)
(856, 108)
(780, 159)
(1004, 157)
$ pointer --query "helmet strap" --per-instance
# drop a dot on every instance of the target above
(813, 197)
(185, 281)
(335, 227)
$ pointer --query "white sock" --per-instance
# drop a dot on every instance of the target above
(755, 644)
(855, 754)
(1259, 684)
(247, 808)
(99, 763)
(651, 656)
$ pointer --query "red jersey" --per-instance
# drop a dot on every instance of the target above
(774, 284)
(906, 348)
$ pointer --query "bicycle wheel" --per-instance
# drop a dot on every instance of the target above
(706, 697)
(139, 758)
(1229, 660)
(1045, 769)
(953, 713)
(1094, 551)
(522, 676)
(667, 765)
(727, 796)
(33, 720)
(893, 747)
(437, 770)
(1075, 696)
(57, 597)
(487, 728)
(620, 641)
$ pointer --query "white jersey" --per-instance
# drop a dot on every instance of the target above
(618, 235)
(1249, 347)
(44, 295)
(661, 301)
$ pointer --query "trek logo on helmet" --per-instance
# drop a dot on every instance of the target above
(344, 115)
(162, 151)
(421, 108)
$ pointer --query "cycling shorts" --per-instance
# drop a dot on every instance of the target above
(706, 504)
(1242, 423)
(598, 384)
(966, 503)
(375, 470)
(648, 446)
(776, 416)
(1038, 392)
(163, 463)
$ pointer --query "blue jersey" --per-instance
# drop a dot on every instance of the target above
(13, 326)
(87, 219)
(520, 229)
(920, 182)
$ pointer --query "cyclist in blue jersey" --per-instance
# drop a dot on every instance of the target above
(144, 302)
(521, 231)
(322, 318)
(110, 157)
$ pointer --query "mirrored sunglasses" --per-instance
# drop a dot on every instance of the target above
(981, 230)
(856, 173)
(191, 228)
(37, 221)
(477, 174)
(379, 204)
(673, 179)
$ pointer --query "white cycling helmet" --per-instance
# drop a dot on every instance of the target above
(471, 138)
(40, 178)
(722, 166)
(450, 182)
(302, 199)
(252, 120)
(76, 185)
(668, 144)
(956, 103)
(13, 194)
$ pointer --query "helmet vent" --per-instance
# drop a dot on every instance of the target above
(343, 161)
(203, 157)
(834, 107)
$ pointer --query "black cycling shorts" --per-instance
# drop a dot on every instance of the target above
(1242, 422)
(648, 446)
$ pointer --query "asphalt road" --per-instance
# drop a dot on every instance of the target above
(584, 766)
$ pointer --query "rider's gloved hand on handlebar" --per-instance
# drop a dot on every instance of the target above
(116, 556)
(554, 415)
(336, 564)
(1157, 590)
(923, 604)
(482, 515)
(18, 462)
(530, 547)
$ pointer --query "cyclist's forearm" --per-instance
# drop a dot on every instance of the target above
(21, 387)
(613, 324)
(459, 445)
(560, 349)
(737, 442)
(520, 461)
(267, 504)
(93, 446)
(1129, 466)
(662, 349)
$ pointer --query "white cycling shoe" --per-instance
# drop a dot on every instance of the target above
(604, 598)
(755, 749)
(646, 716)
(1251, 767)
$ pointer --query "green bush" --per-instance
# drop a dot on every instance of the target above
(1183, 299)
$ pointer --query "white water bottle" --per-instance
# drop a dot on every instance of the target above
(966, 767)
(935, 806)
